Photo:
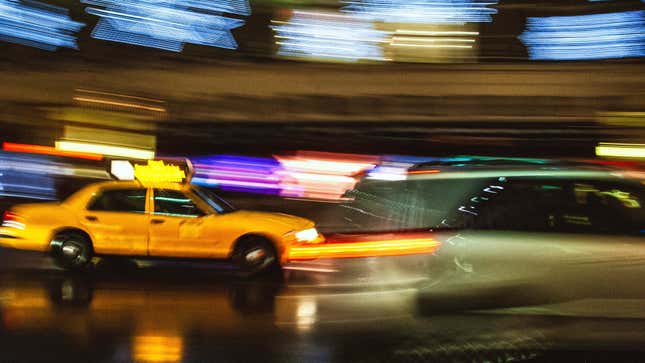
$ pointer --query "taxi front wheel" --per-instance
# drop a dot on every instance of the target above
(72, 251)
(254, 255)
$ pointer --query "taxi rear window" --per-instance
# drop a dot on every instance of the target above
(120, 200)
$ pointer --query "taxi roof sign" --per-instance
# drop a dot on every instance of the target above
(158, 172)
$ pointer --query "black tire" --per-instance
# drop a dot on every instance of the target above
(255, 255)
(72, 251)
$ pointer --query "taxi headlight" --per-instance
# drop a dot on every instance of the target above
(307, 235)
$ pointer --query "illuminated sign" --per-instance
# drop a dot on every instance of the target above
(122, 169)
(168, 24)
(423, 11)
(596, 36)
(38, 25)
(157, 172)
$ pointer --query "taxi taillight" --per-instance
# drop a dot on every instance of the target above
(12, 219)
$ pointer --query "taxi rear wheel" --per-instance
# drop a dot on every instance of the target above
(254, 255)
(72, 251)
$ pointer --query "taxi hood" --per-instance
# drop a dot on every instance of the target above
(281, 219)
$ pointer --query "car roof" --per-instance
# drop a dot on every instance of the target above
(544, 171)
(502, 162)
(117, 184)
(125, 184)
(479, 171)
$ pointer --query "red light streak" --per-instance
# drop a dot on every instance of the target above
(430, 171)
(48, 150)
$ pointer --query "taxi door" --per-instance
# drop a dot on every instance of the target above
(117, 220)
(177, 227)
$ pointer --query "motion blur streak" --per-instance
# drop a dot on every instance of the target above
(126, 152)
(322, 175)
(48, 150)
(433, 39)
(422, 11)
(360, 248)
(238, 173)
(36, 24)
(621, 150)
(597, 36)
(28, 176)
(167, 25)
(328, 36)
(429, 171)
(121, 104)
(157, 349)
(121, 95)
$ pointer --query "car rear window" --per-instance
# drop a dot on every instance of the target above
(120, 200)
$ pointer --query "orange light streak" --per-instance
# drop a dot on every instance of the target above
(429, 171)
(122, 104)
(48, 150)
(357, 249)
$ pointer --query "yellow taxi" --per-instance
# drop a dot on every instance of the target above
(158, 220)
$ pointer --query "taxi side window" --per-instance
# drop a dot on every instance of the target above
(120, 200)
(175, 203)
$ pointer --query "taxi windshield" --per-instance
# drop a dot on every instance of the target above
(214, 201)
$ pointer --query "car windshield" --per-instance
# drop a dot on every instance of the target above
(213, 200)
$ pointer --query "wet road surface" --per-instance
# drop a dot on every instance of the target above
(359, 310)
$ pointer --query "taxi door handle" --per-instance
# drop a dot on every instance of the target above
(156, 221)
(91, 218)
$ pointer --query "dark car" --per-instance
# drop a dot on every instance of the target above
(551, 232)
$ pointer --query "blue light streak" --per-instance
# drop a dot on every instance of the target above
(168, 24)
(329, 36)
(38, 25)
(238, 173)
(597, 36)
(423, 11)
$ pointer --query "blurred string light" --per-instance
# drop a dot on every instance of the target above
(168, 24)
(38, 25)
(322, 35)
(113, 100)
(434, 39)
(422, 11)
(597, 36)
(238, 173)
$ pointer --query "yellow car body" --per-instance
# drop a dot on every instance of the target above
(166, 221)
